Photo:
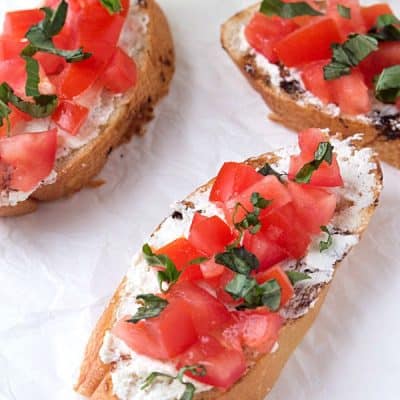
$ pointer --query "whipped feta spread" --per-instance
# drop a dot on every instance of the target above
(99, 100)
(130, 369)
(306, 97)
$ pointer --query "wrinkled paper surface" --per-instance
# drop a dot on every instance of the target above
(59, 266)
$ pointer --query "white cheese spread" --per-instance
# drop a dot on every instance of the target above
(131, 369)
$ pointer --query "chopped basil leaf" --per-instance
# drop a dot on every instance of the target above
(198, 370)
(295, 276)
(5, 110)
(169, 274)
(287, 10)
(198, 260)
(348, 55)
(112, 6)
(151, 308)
(386, 28)
(325, 244)
(33, 79)
(238, 259)
(254, 295)
(387, 85)
(343, 11)
(323, 153)
(268, 170)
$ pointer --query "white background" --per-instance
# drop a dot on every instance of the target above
(59, 266)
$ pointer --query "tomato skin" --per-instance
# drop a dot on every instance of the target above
(17, 23)
(157, 337)
(224, 365)
(209, 235)
(16, 152)
(371, 13)
(263, 32)
(181, 252)
(277, 273)
(10, 47)
(121, 73)
(309, 43)
(232, 179)
(70, 116)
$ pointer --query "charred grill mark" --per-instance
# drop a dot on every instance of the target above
(177, 215)
(387, 125)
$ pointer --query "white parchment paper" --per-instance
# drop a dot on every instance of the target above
(59, 266)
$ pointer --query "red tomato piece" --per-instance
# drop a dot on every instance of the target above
(121, 74)
(346, 26)
(16, 117)
(370, 14)
(17, 23)
(209, 235)
(314, 207)
(208, 313)
(309, 43)
(181, 252)
(210, 269)
(269, 187)
(257, 329)
(27, 171)
(232, 179)
(157, 337)
(277, 273)
(398, 103)
(309, 139)
(10, 47)
(263, 32)
(70, 116)
(191, 273)
(224, 365)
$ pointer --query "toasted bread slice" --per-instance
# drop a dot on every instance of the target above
(289, 106)
(358, 202)
(156, 64)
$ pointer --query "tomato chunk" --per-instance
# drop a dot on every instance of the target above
(10, 47)
(209, 235)
(224, 365)
(70, 116)
(17, 23)
(157, 337)
(263, 32)
(232, 179)
(370, 14)
(277, 273)
(121, 74)
(309, 43)
(181, 252)
(27, 171)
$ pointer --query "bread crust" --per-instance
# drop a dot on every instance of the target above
(95, 377)
(155, 70)
(288, 111)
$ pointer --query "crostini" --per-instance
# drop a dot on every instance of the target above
(227, 286)
(76, 78)
(333, 64)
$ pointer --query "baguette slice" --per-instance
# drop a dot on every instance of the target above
(298, 115)
(156, 64)
(95, 380)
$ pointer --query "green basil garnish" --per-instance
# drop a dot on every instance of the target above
(238, 259)
(287, 10)
(323, 153)
(325, 244)
(386, 28)
(151, 308)
(268, 170)
(295, 276)
(343, 11)
(348, 55)
(387, 85)
(112, 6)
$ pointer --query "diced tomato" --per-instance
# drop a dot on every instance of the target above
(309, 43)
(304, 19)
(17, 23)
(387, 56)
(209, 235)
(224, 365)
(232, 179)
(277, 273)
(70, 116)
(27, 170)
(121, 74)
(263, 32)
(181, 252)
(210, 269)
(269, 187)
(208, 313)
(257, 329)
(309, 140)
(163, 337)
(267, 252)
(10, 47)
(346, 26)
(314, 207)
(191, 273)
(370, 14)
(16, 117)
